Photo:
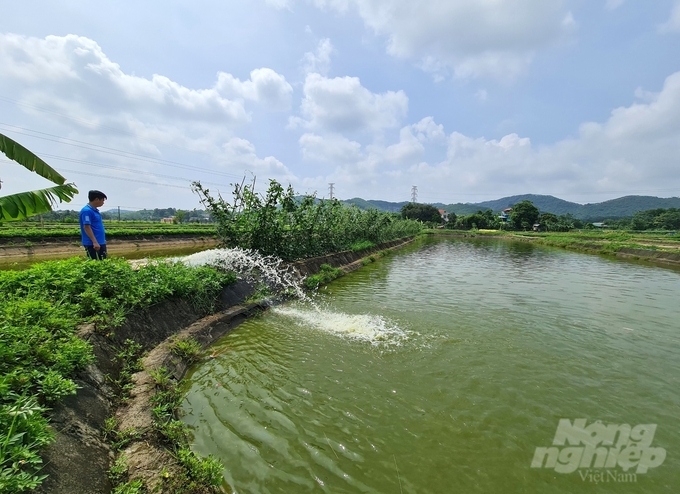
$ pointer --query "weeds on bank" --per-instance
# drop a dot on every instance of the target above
(188, 349)
(198, 474)
(130, 359)
(40, 352)
(363, 245)
(327, 274)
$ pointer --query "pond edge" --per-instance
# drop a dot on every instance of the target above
(80, 458)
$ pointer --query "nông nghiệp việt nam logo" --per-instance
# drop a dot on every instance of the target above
(578, 445)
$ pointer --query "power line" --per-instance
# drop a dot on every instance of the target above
(107, 150)
(99, 125)
(112, 167)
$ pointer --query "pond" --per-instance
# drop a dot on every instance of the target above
(442, 368)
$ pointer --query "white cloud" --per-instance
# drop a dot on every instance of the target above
(67, 86)
(240, 153)
(635, 149)
(334, 149)
(342, 104)
(320, 60)
(265, 86)
(469, 38)
(428, 130)
(75, 69)
(637, 144)
(672, 25)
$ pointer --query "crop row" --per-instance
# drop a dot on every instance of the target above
(38, 233)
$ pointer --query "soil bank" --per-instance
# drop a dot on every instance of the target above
(79, 459)
(21, 251)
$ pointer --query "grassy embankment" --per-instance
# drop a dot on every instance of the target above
(40, 353)
(609, 242)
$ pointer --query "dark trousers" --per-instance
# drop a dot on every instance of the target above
(96, 255)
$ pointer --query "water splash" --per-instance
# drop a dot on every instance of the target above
(369, 328)
(251, 265)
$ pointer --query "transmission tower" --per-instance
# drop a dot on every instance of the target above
(414, 193)
(330, 188)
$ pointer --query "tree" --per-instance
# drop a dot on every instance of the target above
(423, 212)
(524, 215)
(180, 216)
(24, 204)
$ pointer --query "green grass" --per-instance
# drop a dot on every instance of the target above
(187, 349)
(199, 474)
(362, 245)
(40, 353)
(327, 274)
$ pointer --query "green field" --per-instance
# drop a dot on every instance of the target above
(33, 231)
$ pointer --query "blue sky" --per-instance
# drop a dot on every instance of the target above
(469, 100)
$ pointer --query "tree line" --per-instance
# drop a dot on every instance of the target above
(525, 215)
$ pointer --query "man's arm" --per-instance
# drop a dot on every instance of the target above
(88, 231)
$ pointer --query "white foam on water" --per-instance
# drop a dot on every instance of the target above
(370, 328)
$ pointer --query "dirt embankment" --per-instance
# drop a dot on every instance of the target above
(80, 458)
(21, 250)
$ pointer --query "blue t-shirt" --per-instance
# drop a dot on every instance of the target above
(90, 216)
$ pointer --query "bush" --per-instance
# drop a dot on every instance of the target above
(281, 224)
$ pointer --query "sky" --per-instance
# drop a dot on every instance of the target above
(465, 100)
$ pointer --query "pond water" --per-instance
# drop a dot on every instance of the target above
(442, 368)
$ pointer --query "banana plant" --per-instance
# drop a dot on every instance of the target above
(24, 204)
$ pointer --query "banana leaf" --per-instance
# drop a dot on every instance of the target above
(15, 151)
(24, 204)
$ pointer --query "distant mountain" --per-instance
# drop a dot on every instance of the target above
(392, 207)
(546, 204)
(607, 210)
(626, 206)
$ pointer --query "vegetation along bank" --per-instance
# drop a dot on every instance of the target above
(73, 342)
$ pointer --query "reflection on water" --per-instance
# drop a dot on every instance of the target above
(441, 369)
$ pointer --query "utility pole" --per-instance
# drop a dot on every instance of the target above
(414, 193)
(118, 213)
(330, 187)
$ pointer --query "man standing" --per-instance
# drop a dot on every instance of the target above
(92, 227)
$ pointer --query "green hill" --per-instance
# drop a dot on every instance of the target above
(546, 204)
(392, 207)
(625, 206)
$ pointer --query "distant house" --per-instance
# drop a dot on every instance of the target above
(444, 215)
(171, 219)
(600, 225)
(536, 227)
(505, 215)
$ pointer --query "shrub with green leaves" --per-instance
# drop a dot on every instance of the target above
(281, 223)
(40, 352)
(23, 431)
